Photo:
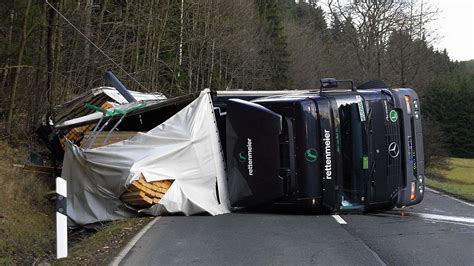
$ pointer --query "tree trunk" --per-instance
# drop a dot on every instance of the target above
(59, 95)
(50, 54)
(39, 72)
(125, 32)
(180, 61)
(211, 68)
(18, 70)
(7, 48)
(87, 46)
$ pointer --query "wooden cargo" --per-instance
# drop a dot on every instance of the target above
(144, 194)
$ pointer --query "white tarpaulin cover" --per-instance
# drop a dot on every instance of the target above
(185, 148)
(139, 96)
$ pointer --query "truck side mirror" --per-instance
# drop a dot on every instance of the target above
(328, 83)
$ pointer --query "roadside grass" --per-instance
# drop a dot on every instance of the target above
(457, 178)
(27, 222)
(101, 247)
(26, 216)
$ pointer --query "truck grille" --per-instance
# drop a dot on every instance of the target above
(394, 164)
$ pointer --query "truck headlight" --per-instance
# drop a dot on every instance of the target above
(413, 191)
(408, 103)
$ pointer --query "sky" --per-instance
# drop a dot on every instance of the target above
(454, 28)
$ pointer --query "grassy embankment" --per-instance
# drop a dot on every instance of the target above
(26, 216)
(27, 222)
(457, 178)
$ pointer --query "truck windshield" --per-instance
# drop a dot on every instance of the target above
(353, 186)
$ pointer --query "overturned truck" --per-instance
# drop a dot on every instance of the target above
(333, 149)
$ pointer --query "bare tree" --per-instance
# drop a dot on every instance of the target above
(380, 25)
(373, 22)
(19, 61)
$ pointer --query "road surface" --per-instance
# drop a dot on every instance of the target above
(439, 231)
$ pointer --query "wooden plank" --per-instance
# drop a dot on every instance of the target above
(157, 184)
(159, 195)
(146, 184)
(150, 186)
(156, 189)
(76, 134)
(135, 186)
(161, 190)
(166, 184)
(130, 194)
(163, 183)
(138, 197)
(37, 168)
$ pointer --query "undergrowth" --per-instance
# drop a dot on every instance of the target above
(26, 217)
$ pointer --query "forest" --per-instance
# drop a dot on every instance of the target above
(54, 50)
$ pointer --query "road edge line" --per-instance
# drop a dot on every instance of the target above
(123, 253)
(377, 257)
(339, 219)
(358, 239)
(449, 196)
(440, 217)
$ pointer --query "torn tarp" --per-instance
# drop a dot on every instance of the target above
(185, 148)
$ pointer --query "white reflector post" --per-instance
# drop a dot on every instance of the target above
(61, 218)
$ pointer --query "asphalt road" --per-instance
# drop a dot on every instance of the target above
(439, 231)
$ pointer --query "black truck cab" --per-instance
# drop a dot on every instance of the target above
(335, 150)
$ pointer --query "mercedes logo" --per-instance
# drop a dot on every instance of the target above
(393, 150)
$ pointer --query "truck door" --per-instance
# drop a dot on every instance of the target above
(253, 159)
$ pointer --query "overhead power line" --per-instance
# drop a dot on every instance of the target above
(97, 47)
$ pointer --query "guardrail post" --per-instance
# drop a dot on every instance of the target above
(61, 218)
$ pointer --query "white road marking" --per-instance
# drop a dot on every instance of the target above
(438, 217)
(132, 242)
(448, 222)
(453, 198)
(339, 219)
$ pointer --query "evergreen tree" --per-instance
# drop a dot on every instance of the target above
(275, 45)
(453, 111)
(311, 15)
